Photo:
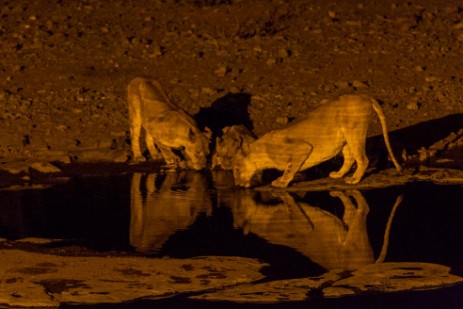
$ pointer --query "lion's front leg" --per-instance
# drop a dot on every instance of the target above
(169, 156)
(299, 152)
(154, 153)
(135, 128)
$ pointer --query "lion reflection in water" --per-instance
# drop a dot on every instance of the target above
(160, 210)
(327, 240)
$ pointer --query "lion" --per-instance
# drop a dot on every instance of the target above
(159, 209)
(338, 125)
(227, 146)
(331, 241)
(166, 125)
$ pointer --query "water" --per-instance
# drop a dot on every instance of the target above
(191, 214)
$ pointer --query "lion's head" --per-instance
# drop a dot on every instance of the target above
(228, 145)
(196, 147)
(243, 168)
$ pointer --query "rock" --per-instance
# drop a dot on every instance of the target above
(23, 293)
(414, 104)
(393, 277)
(100, 155)
(342, 85)
(15, 168)
(47, 155)
(277, 291)
(382, 277)
(44, 167)
(35, 240)
(221, 71)
(271, 61)
(283, 53)
(282, 120)
(431, 78)
(207, 91)
(359, 85)
(156, 52)
(32, 279)
(424, 154)
(443, 144)
(332, 14)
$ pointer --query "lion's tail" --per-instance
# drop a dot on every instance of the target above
(387, 232)
(382, 119)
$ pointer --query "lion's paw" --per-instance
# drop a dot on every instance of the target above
(169, 168)
(137, 160)
(335, 175)
(352, 180)
(279, 184)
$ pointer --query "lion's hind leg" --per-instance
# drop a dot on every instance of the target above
(135, 127)
(357, 147)
(346, 165)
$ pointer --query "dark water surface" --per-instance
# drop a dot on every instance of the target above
(191, 214)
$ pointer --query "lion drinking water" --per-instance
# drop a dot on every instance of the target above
(338, 125)
(166, 125)
(227, 146)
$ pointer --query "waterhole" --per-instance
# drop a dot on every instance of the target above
(188, 214)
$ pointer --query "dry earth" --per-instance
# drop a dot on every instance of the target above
(65, 65)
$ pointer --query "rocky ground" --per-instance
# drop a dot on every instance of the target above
(65, 66)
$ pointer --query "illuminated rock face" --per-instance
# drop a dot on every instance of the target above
(32, 279)
(381, 278)
(40, 280)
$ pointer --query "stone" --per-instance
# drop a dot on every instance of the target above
(31, 279)
(414, 104)
(393, 277)
(277, 291)
(44, 167)
(271, 61)
(359, 85)
(283, 53)
(221, 71)
(282, 120)
(207, 91)
(342, 85)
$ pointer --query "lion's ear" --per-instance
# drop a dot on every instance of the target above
(239, 140)
(245, 149)
(225, 130)
(191, 135)
(208, 133)
(218, 140)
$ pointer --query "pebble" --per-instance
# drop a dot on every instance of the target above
(221, 71)
(271, 61)
(414, 104)
(342, 85)
(283, 53)
(207, 91)
(282, 120)
(156, 52)
(358, 84)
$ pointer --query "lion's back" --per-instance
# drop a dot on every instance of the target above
(329, 119)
